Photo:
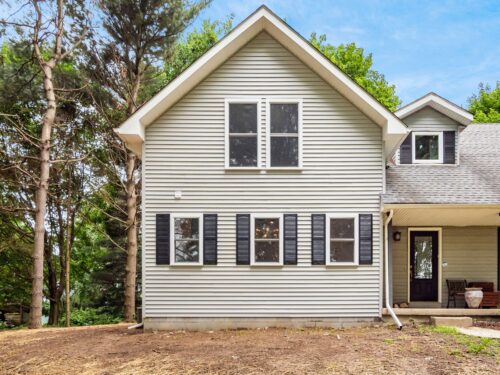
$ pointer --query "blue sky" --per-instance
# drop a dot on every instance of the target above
(443, 46)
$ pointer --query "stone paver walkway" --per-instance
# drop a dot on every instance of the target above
(480, 332)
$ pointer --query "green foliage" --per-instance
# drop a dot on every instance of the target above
(98, 262)
(485, 105)
(15, 279)
(353, 61)
(92, 316)
(194, 45)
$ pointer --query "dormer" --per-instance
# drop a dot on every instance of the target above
(435, 125)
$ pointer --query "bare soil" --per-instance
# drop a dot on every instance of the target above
(117, 350)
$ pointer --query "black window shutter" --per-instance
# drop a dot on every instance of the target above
(449, 147)
(318, 238)
(210, 239)
(365, 239)
(290, 238)
(406, 151)
(163, 239)
(243, 239)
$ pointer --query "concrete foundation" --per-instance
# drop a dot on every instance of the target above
(452, 321)
(202, 324)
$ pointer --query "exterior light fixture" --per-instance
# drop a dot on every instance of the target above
(397, 236)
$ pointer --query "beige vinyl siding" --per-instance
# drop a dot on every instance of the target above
(342, 173)
(470, 254)
(429, 120)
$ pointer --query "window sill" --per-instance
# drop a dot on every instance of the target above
(182, 265)
(423, 162)
(284, 169)
(243, 169)
(428, 164)
(342, 265)
(264, 170)
(266, 265)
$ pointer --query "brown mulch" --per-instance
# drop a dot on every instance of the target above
(117, 350)
(491, 324)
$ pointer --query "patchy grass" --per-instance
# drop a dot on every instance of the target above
(117, 350)
(470, 344)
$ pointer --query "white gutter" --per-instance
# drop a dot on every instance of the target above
(386, 270)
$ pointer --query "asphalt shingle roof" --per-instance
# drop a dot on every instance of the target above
(476, 180)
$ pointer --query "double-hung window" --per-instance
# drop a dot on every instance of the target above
(342, 244)
(242, 133)
(284, 133)
(267, 246)
(187, 239)
(428, 147)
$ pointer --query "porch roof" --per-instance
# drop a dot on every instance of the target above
(476, 180)
(439, 215)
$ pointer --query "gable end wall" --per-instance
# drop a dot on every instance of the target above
(343, 173)
(428, 119)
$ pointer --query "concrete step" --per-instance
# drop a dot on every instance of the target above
(452, 321)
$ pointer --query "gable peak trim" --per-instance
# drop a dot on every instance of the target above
(132, 131)
(438, 103)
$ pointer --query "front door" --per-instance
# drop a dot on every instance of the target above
(424, 265)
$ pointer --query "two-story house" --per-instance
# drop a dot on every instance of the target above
(268, 175)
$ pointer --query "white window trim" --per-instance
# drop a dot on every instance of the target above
(266, 215)
(172, 238)
(282, 100)
(356, 239)
(252, 100)
(440, 148)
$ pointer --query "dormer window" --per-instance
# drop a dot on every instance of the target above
(428, 147)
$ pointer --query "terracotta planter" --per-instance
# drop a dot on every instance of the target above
(473, 297)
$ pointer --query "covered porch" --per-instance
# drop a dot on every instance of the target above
(430, 246)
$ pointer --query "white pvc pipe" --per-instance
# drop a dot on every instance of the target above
(138, 325)
(386, 268)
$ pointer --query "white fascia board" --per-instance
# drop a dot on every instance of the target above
(393, 136)
(263, 19)
(438, 103)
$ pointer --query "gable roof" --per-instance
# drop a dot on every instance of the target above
(440, 104)
(475, 180)
(132, 131)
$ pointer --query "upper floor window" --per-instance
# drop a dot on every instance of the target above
(284, 133)
(428, 147)
(242, 133)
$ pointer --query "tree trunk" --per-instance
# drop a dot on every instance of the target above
(69, 227)
(54, 312)
(35, 320)
(130, 166)
(54, 295)
(131, 267)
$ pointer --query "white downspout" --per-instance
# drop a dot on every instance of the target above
(386, 270)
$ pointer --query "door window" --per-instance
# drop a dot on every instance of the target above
(423, 257)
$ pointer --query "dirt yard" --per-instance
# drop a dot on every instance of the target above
(377, 350)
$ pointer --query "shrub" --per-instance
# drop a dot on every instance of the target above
(92, 316)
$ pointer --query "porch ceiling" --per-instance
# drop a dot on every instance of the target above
(435, 215)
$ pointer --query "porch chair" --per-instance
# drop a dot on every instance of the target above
(490, 297)
(456, 288)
